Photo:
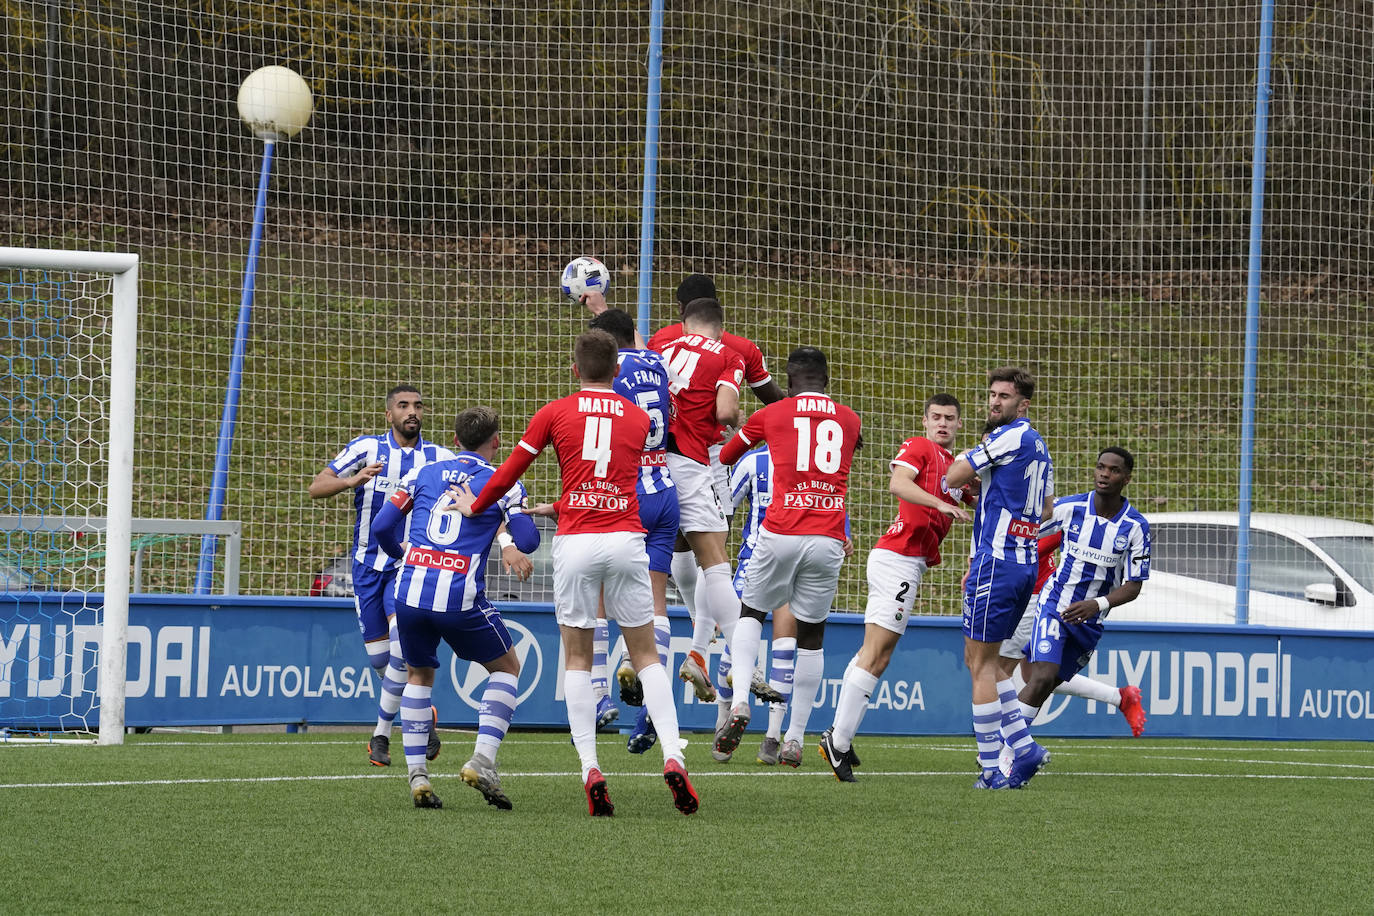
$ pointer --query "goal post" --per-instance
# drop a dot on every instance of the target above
(120, 350)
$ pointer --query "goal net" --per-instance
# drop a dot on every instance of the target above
(67, 407)
(923, 190)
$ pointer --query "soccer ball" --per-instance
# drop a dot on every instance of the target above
(584, 275)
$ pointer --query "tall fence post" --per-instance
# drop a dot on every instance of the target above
(1252, 309)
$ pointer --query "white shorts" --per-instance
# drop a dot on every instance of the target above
(1014, 646)
(892, 583)
(720, 479)
(697, 500)
(802, 570)
(584, 564)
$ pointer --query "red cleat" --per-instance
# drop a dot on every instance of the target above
(1133, 710)
(598, 798)
(684, 796)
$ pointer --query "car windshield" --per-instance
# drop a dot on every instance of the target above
(1354, 554)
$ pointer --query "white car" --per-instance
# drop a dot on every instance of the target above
(1304, 571)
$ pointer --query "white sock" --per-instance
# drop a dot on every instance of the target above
(658, 699)
(858, 686)
(684, 573)
(776, 713)
(581, 703)
(805, 683)
(744, 652)
(723, 603)
(1081, 685)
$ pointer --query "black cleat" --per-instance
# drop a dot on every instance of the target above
(379, 751)
(853, 756)
(433, 746)
(838, 760)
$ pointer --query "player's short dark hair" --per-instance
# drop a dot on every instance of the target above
(1126, 457)
(1021, 378)
(596, 355)
(618, 324)
(476, 425)
(810, 363)
(704, 311)
(943, 399)
(398, 390)
(695, 286)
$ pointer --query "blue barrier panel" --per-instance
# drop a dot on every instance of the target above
(236, 660)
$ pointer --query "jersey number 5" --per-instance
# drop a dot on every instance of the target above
(596, 444)
(829, 443)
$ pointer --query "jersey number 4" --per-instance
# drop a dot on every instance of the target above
(596, 444)
(829, 444)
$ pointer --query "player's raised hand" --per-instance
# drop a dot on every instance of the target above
(516, 562)
(366, 474)
(595, 301)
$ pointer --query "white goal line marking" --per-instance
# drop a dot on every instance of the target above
(571, 774)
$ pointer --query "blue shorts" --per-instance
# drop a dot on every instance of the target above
(475, 635)
(1068, 645)
(995, 595)
(374, 598)
(658, 513)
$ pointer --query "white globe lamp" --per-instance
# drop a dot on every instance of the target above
(275, 102)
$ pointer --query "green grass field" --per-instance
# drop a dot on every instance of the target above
(301, 823)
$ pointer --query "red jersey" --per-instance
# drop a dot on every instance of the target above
(918, 530)
(598, 436)
(1046, 548)
(697, 366)
(755, 371)
(811, 440)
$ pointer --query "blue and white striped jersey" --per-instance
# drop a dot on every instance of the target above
(751, 479)
(1098, 554)
(643, 378)
(445, 563)
(369, 498)
(1017, 476)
